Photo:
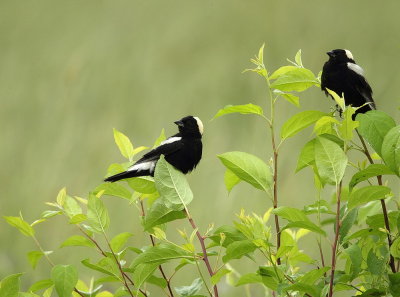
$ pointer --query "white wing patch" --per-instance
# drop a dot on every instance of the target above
(200, 125)
(171, 140)
(349, 54)
(357, 69)
(143, 166)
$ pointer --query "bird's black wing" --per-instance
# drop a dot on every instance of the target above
(164, 149)
(170, 146)
(362, 87)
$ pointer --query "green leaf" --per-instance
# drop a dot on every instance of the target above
(142, 272)
(48, 292)
(77, 219)
(308, 225)
(330, 159)
(157, 281)
(40, 285)
(371, 171)
(297, 219)
(61, 196)
(34, 257)
(395, 248)
(374, 125)
(143, 184)
(394, 284)
(304, 288)
(160, 254)
(242, 109)
(10, 285)
(348, 125)
(21, 225)
(367, 194)
(391, 149)
(297, 58)
(282, 71)
(300, 121)
(307, 156)
(289, 213)
(270, 277)
(217, 276)
(347, 223)
(137, 150)
(320, 206)
(248, 168)
(113, 189)
(119, 241)
(377, 221)
(124, 144)
(230, 180)
(50, 213)
(71, 206)
(161, 214)
(172, 186)
(324, 125)
(160, 138)
(238, 249)
(250, 278)
(187, 291)
(65, 278)
(231, 235)
(298, 79)
(97, 267)
(283, 250)
(77, 240)
(295, 100)
(373, 293)
(375, 264)
(338, 99)
(108, 263)
(355, 255)
(30, 294)
(97, 214)
(313, 275)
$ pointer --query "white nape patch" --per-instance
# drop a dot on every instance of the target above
(170, 140)
(349, 54)
(143, 166)
(200, 125)
(357, 69)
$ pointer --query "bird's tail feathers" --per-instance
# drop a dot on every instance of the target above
(127, 174)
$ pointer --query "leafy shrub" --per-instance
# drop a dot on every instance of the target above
(358, 224)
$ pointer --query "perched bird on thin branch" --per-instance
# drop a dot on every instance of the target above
(342, 75)
(182, 150)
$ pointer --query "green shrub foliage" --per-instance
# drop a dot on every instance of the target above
(360, 225)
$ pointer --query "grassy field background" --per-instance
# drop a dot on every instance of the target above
(70, 71)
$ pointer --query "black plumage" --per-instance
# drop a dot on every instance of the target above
(182, 150)
(342, 75)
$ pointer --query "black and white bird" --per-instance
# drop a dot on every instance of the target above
(342, 75)
(182, 150)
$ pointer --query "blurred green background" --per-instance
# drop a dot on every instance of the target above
(70, 71)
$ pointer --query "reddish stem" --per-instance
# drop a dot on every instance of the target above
(203, 248)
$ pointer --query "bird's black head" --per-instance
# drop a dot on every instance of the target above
(341, 56)
(190, 126)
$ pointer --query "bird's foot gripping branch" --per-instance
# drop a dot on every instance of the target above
(344, 239)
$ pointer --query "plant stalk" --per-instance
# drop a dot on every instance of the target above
(335, 243)
(203, 248)
(277, 227)
(168, 280)
(275, 177)
(51, 262)
(383, 204)
(125, 275)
